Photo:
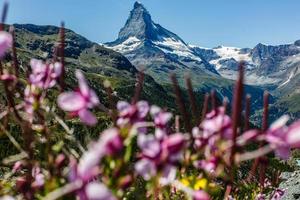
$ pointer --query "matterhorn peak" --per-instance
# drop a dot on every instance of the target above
(139, 24)
(143, 41)
(140, 29)
(138, 4)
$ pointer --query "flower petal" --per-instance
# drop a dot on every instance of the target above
(293, 135)
(37, 66)
(112, 141)
(83, 86)
(93, 100)
(154, 110)
(143, 108)
(168, 175)
(98, 191)
(200, 195)
(150, 145)
(280, 122)
(88, 162)
(5, 42)
(87, 117)
(283, 152)
(71, 101)
(145, 168)
(162, 118)
(122, 105)
(174, 143)
(57, 69)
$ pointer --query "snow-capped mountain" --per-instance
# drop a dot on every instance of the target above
(150, 46)
(275, 68)
(160, 52)
(265, 64)
(220, 55)
(140, 28)
(226, 59)
(157, 50)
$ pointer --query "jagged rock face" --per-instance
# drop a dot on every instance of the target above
(261, 52)
(150, 46)
(297, 43)
(146, 43)
(266, 65)
(276, 63)
(291, 185)
(160, 52)
(138, 25)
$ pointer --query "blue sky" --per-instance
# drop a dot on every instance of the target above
(208, 23)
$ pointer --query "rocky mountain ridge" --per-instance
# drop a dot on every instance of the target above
(149, 45)
(160, 52)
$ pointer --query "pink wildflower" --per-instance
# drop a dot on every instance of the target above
(132, 113)
(17, 166)
(33, 100)
(283, 138)
(158, 153)
(79, 102)
(277, 194)
(90, 190)
(260, 196)
(44, 75)
(5, 42)
(217, 122)
(200, 195)
(6, 76)
(39, 178)
(161, 119)
(98, 191)
(109, 143)
(209, 165)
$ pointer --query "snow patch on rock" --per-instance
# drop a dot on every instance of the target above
(226, 53)
(173, 46)
(128, 45)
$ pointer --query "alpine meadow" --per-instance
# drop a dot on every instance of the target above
(147, 115)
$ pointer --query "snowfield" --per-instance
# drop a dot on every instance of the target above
(128, 45)
(173, 46)
(226, 53)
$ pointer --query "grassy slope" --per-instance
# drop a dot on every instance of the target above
(289, 100)
(97, 63)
